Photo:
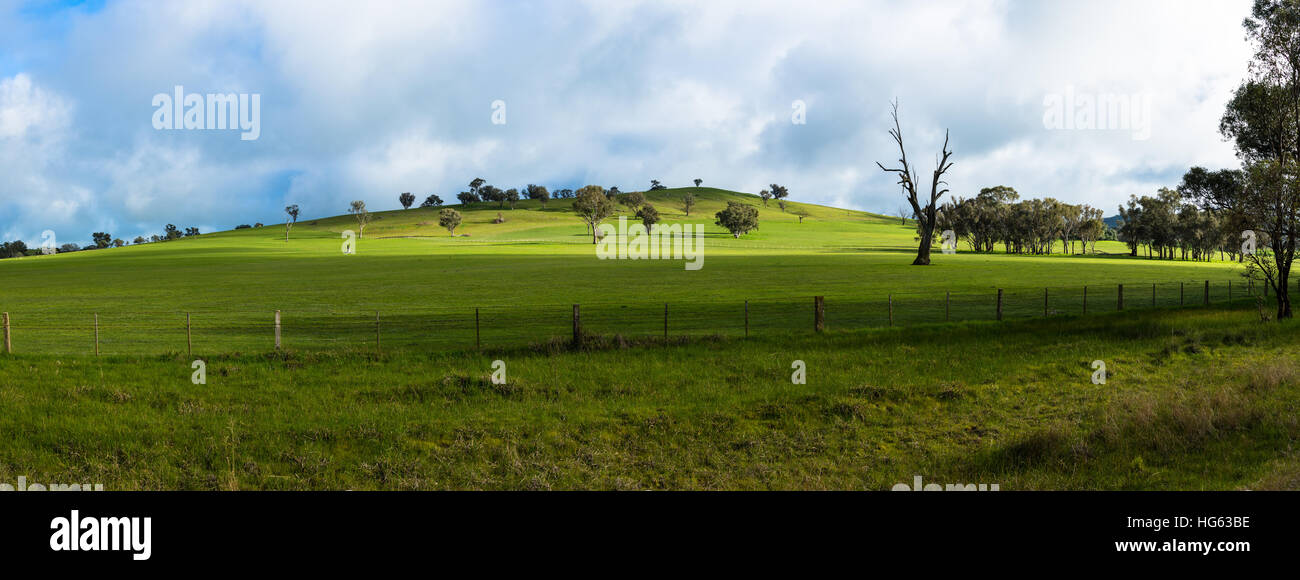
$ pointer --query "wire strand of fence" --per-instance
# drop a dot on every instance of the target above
(39, 331)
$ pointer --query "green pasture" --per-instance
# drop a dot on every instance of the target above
(1195, 399)
(523, 276)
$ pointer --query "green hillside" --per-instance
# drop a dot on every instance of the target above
(526, 273)
(556, 223)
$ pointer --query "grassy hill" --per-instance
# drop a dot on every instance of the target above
(556, 223)
(524, 275)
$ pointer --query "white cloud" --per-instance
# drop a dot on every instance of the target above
(26, 110)
(35, 125)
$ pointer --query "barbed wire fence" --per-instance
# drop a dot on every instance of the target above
(207, 332)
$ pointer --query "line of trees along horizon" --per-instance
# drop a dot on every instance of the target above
(1169, 225)
(101, 240)
(1031, 226)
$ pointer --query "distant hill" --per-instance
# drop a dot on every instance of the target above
(1113, 221)
(557, 221)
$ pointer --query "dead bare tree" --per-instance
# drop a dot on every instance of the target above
(903, 212)
(925, 215)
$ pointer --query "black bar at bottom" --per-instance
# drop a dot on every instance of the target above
(1005, 530)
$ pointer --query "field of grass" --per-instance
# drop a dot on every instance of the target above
(525, 274)
(1199, 397)
(1196, 399)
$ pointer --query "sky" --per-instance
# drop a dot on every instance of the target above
(366, 100)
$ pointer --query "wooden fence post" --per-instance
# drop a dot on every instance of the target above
(891, 309)
(577, 326)
(1229, 290)
(9, 347)
(999, 304)
(189, 341)
(96, 334)
(1153, 294)
(819, 313)
(478, 344)
(1120, 303)
(746, 319)
(1207, 292)
(277, 330)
